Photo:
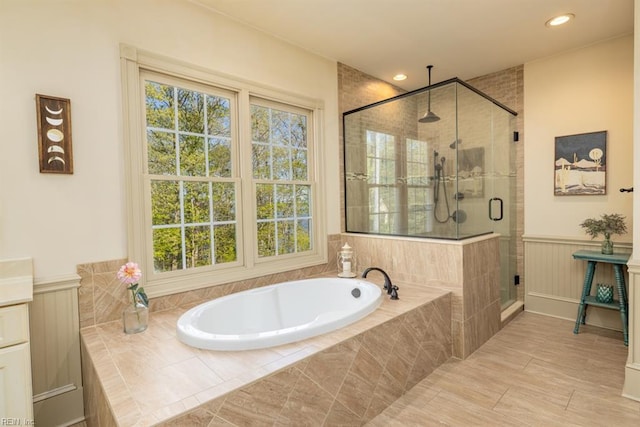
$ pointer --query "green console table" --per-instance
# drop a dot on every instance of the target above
(617, 260)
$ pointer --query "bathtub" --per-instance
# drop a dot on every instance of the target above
(277, 314)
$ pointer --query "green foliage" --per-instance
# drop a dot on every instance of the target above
(608, 224)
(193, 208)
(138, 295)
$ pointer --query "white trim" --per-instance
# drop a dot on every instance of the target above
(134, 63)
(567, 308)
(57, 283)
(564, 240)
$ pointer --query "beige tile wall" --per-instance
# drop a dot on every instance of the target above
(470, 269)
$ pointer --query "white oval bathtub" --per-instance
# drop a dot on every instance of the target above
(277, 314)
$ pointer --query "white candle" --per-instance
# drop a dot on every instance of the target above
(346, 266)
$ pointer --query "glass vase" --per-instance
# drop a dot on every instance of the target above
(607, 246)
(135, 318)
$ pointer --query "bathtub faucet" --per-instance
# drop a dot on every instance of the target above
(387, 282)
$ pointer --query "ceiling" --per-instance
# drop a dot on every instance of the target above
(461, 38)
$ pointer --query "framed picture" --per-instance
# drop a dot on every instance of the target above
(581, 164)
(54, 134)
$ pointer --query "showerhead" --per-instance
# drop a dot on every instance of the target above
(455, 143)
(429, 116)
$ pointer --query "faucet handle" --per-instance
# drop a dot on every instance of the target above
(394, 292)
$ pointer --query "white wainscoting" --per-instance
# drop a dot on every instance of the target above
(555, 279)
(55, 352)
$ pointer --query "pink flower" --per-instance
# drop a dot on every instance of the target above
(129, 273)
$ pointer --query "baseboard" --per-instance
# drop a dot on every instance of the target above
(61, 410)
(510, 313)
(631, 387)
(565, 308)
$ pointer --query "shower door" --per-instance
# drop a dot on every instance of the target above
(501, 206)
(486, 170)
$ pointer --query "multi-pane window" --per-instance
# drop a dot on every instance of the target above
(381, 173)
(194, 186)
(189, 146)
(222, 179)
(281, 177)
(419, 174)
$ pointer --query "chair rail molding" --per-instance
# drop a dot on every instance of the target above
(555, 279)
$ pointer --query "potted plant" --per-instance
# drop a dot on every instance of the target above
(607, 225)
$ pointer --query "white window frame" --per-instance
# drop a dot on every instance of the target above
(135, 63)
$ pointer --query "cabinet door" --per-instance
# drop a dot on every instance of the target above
(16, 400)
(14, 325)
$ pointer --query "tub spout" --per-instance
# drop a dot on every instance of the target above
(387, 281)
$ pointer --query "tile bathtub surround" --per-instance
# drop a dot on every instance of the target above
(102, 297)
(469, 268)
(344, 377)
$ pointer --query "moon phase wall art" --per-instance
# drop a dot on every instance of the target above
(581, 164)
(54, 134)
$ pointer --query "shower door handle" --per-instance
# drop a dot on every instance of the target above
(491, 217)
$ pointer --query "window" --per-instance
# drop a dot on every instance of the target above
(281, 176)
(381, 172)
(190, 175)
(418, 186)
(221, 176)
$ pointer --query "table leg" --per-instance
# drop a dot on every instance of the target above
(622, 295)
(586, 291)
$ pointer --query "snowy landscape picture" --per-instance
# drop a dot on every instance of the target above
(581, 164)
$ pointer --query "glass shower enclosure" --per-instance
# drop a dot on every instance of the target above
(438, 162)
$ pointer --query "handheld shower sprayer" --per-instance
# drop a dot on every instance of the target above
(438, 181)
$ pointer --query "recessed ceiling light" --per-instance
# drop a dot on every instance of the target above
(400, 77)
(559, 20)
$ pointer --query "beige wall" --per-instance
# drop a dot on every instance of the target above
(70, 49)
(585, 90)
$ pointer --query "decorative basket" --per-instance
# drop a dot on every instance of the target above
(604, 293)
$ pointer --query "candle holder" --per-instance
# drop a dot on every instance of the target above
(346, 262)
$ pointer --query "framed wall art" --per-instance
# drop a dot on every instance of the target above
(54, 134)
(581, 164)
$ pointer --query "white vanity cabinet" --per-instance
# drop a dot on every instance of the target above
(16, 290)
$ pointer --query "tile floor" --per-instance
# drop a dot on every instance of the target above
(534, 372)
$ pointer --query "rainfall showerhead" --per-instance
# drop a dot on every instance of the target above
(429, 116)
